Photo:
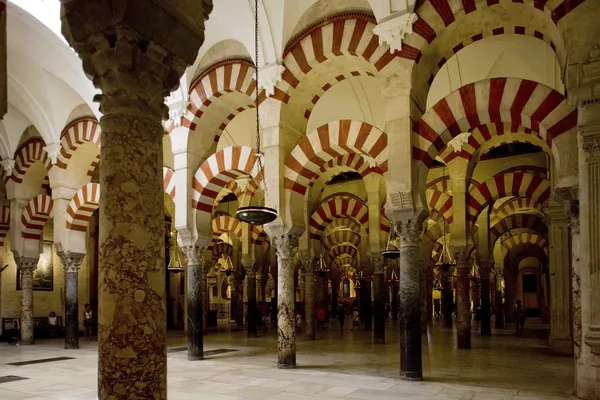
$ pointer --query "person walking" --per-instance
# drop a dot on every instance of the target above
(520, 315)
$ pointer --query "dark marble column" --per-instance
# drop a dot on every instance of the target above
(71, 262)
(367, 303)
(463, 300)
(335, 287)
(510, 288)
(380, 289)
(26, 266)
(286, 330)
(430, 291)
(238, 298)
(423, 265)
(409, 232)
(252, 312)
(309, 300)
(394, 301)
(447, 296)
(275, 298)
(499, 309)
(486, 316)
(195, 281)
(135, 55)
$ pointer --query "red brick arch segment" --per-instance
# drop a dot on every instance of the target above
(517, 221)
(225, 223)
(328, 142)
(525, 184)
(75, 134)
(341, 236)
(513, 101)
(84, 203)
(27, 154)
(513, 206)
(342, 249)
(525, 238)
(440, 202)
(349, 34)
(4, 223)
(340, 206)
(35, 215)
(169, 182)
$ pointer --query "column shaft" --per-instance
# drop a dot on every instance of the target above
(367, 307)
(411, 367)
(463, 306)
(486, 317)
(195, 278)
(71, 262)
(239, 301)
(286, 330)
(309, 305)
(379, 327)
(252, 309)
(395, 301)
(423, 292)
(26, 267)
(499, 309)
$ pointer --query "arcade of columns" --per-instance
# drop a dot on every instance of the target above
(493, 223)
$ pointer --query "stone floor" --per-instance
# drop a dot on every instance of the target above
(338, 365)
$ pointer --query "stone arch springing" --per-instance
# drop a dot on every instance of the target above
(27, 154)
(74, 135)
(83, 205)
(35, 215)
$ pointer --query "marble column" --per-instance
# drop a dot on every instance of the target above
(367, 307)
(423, 265)
(561, 338)
(286, 330)
(411, 363)
(239, 298)
(394, 301)
(204, 287)
(486, 317)
(463, 300)
(309, 300)
(252, 312)
(380, 287)
(430, 291)
(499, 309)
(26, 266)
(447, 297)
(510, 287)
(195, 282)
(71, 262)
(135, 55)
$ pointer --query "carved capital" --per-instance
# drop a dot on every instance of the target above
(53, 150)
(284, 245)
(27, 264)
(569, 198)
(459, 141)
(195, 253)
(71, 260)
(590, 141)
(409, 230)
(269, 76)
(463, 257)
(394, 30)
(378, 264)
(308, 265)
(592, 339)
(8, 166)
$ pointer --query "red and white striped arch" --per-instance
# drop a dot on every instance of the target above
(489, 136)
(339, 206)
(519, 184)
(82, 206)
(342, 223)
(513, 206)
(35, 215)
(329, 142)
(513, 101)
(225, 223)
(525, 238)
(445, 27)
(345, 260)
(217, 171)
(341, 236)
(349, 34)
(436, 231)
(28, 153)
(342, 249)
(517, 221)
(74, 135)
(440, 202)
(169, 182)
(4, 223)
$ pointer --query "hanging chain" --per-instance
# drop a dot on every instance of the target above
(256, 78)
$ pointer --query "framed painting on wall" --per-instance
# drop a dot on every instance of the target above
(43, 276)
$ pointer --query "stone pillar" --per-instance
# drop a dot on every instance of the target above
(394, 301)
(275, 298)
(204, 287)
(447, 297)
(238, 298)
(195, 281)
(252, 312)
(309, 299)
(486, 308)
(380, 287)
(366, 303)
(286, 331)
(409, 232)
(71, 262)
(26, 266)
(510, 287)
(463, 300)
(135, 56)
(429, 291)
(499, 309)
(561, 338)
(423, 265)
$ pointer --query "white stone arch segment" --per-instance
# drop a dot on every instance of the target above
(35, 215)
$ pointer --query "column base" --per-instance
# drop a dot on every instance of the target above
(561, 346)
(588, 385)
(286, 366)
(379, 340)
(411, 375)
(195, 358)
(72, 345)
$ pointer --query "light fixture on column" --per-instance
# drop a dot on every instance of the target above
(258, 214)
(175, 264)
(391, 251)
(224, 250)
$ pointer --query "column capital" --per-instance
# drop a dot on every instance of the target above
(27, 263)
(392, 30)
(283, 246)
(378, 264)
(135, 54)
(8, 165)
(569, 198)
(308, 264)
(410, 227)
(71, 260)
(463, 257)
(269, 76)
(195, 253)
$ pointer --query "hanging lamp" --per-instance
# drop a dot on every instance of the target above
(390, 252)
(445, 262)
(175, 264)
(259, 214)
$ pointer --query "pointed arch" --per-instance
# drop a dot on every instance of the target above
(35, 215)
(84, 203)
